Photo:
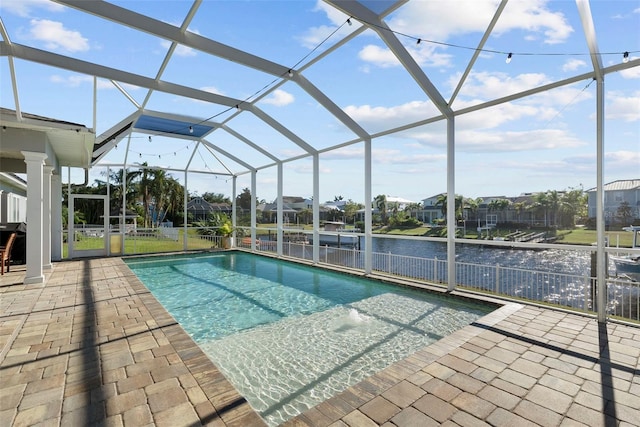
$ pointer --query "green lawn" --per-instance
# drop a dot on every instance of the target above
(578, 236)
(140, 245)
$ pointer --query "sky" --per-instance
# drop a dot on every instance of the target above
(546, 141)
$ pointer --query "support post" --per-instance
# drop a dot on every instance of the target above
(46, 217)
(316, 208)
(185, 201)
(253, 209)
(600, 225)
(35, 177)
(368, 217)
(56, 216)
(451, 205)
(279, 218)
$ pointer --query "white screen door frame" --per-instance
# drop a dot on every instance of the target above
(75, 249)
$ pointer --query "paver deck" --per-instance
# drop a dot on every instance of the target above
(92, 346)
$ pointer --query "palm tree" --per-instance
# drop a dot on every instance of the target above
(498, 205)
(541, 203)
(144, 191)
(442, 202)
(157, 190)
(472, 205)
(553, 198)
(573, 205)
(174, 198)
(412, 208)
(519, 207)
(117, 178)
(380, 202)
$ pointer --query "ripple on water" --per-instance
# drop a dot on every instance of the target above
(289, 366)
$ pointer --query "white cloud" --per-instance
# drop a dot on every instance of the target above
(547, 105)
(533, 16)
(345, 153)
(336, 17)
(212, 89)
(56, 36)
(423, 54)
(460, 18)
(482, 141)
(623, 161)
(378, 118)
(631, 73)
(181, 50)
(473, 16)
(385, 155)
(77, 80)
(492, 85)
(529, 140)
(315, 35)
(491, 118)
(465, 17)
(375, 54)
(279, 98)
(397, 157)
(621, 107)
(573, 64)
(24, 7)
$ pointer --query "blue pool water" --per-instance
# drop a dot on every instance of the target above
(289, 336)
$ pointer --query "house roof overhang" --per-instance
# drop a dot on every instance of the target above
(65, 143)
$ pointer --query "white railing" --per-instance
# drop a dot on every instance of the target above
(623, 299)
(564, 290)
(153, 240)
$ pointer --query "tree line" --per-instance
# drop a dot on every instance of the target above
(153, 195)
(156, 196)
(551, 208)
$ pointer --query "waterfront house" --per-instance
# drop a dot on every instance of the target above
(198, 209)
(621, 202)
(13, 198)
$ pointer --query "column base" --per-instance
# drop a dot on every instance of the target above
(34, 280)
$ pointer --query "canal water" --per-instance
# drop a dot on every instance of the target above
(559, 276)
(549, 260)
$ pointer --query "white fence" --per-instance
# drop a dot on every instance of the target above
(564, 290)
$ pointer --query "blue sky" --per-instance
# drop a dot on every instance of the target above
(541, 142)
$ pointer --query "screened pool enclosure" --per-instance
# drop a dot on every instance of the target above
(322, 99)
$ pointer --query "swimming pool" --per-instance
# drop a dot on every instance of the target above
(288, 336)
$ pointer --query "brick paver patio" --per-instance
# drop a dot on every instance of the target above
(93, 347)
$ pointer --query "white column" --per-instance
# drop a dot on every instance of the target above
(35, 163)
(253, 209)
(601, 266)
(185, 200)
(56, 217)
(46, 217)
(279, 218)
(368, 216)
(451, 205)
(316, 208)
(234, 201)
